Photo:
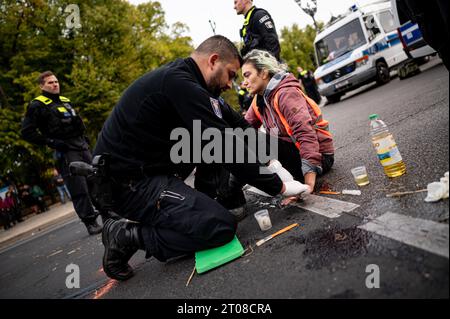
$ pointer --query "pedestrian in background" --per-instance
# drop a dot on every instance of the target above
(4, 214)
(61, 187)
(38, 194)
(17, 211)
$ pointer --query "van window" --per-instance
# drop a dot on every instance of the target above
(341, 41)
(371, 26)
(387, 21)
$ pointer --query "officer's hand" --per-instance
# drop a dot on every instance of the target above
(293, 188)
(58, 145)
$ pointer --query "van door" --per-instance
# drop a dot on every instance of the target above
(393, 53)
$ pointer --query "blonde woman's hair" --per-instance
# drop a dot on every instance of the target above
(263, 60)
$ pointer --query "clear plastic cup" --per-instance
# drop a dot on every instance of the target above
(263, 219)
(360, 175)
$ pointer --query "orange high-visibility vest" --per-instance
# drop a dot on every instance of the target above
(319, 125)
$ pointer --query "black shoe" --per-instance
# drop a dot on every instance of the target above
(232, 200)
(239, 213)
(93, 227)
(121, 241)
(105, 215)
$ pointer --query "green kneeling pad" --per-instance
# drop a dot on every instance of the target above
(211, 258)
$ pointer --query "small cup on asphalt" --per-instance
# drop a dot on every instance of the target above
(360, 175)
(263, 219)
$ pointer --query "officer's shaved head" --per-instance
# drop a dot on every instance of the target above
(220, 45)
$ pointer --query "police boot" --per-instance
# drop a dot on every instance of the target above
(92, 226)
(121, 241)
(236, 204)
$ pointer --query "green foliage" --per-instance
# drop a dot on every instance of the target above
(297, 47)
(117, 42)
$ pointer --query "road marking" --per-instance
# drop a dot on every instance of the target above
(424, 234)
(55, 253)
(328, 207)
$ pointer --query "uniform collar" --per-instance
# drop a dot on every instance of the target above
(249, 12)
(196, 72)
(53, 97)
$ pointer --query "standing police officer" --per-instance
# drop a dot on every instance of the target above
(258, 31)
(171, 218)
(51, 120)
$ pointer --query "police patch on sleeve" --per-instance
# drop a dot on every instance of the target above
(263, 19)
(269, 25)
(216, 107)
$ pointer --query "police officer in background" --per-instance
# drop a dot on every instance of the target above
(245, 99)
(258, 31)
(309, 84)
(171, 219)
(51, 120)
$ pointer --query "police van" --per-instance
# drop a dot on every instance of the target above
(413, 42)
(359, 47)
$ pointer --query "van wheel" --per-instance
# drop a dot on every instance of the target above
(383, 75)
(334, 98)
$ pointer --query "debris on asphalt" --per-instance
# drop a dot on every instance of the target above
(351, 192)
(262, 241)
(248, 251)
(344, 192)
(340, 237)
(329, 193)
(438, 190)
(190, 277)
(55, 253)
(399, 194)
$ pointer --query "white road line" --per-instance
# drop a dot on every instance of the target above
(328, 207)
(424, 234)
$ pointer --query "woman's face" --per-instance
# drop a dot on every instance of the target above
(254, 82)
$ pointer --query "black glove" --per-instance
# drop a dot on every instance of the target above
(58, 145)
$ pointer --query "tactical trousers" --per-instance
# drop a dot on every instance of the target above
(174, 218)
(218, 183)
(77, 185)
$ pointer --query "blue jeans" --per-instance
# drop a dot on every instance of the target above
(63, 191)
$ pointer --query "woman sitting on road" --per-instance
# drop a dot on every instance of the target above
(305, 145)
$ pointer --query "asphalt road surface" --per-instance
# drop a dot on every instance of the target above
(385, 248)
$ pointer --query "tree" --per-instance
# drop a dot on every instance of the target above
(297, 47)
(117, 42)
(310, 8)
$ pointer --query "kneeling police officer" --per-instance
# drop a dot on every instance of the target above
(171, 219)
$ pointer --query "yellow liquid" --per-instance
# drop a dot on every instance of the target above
(395, 170)
(362, 180)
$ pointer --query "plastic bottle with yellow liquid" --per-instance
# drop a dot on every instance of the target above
(386, 148)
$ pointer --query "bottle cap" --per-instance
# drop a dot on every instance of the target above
(373, 117)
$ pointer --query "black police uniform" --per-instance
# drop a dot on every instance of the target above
(309, 83)
(258, 32)
(51, 120)
(174, 218)
(432, 18)
(245, 100)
